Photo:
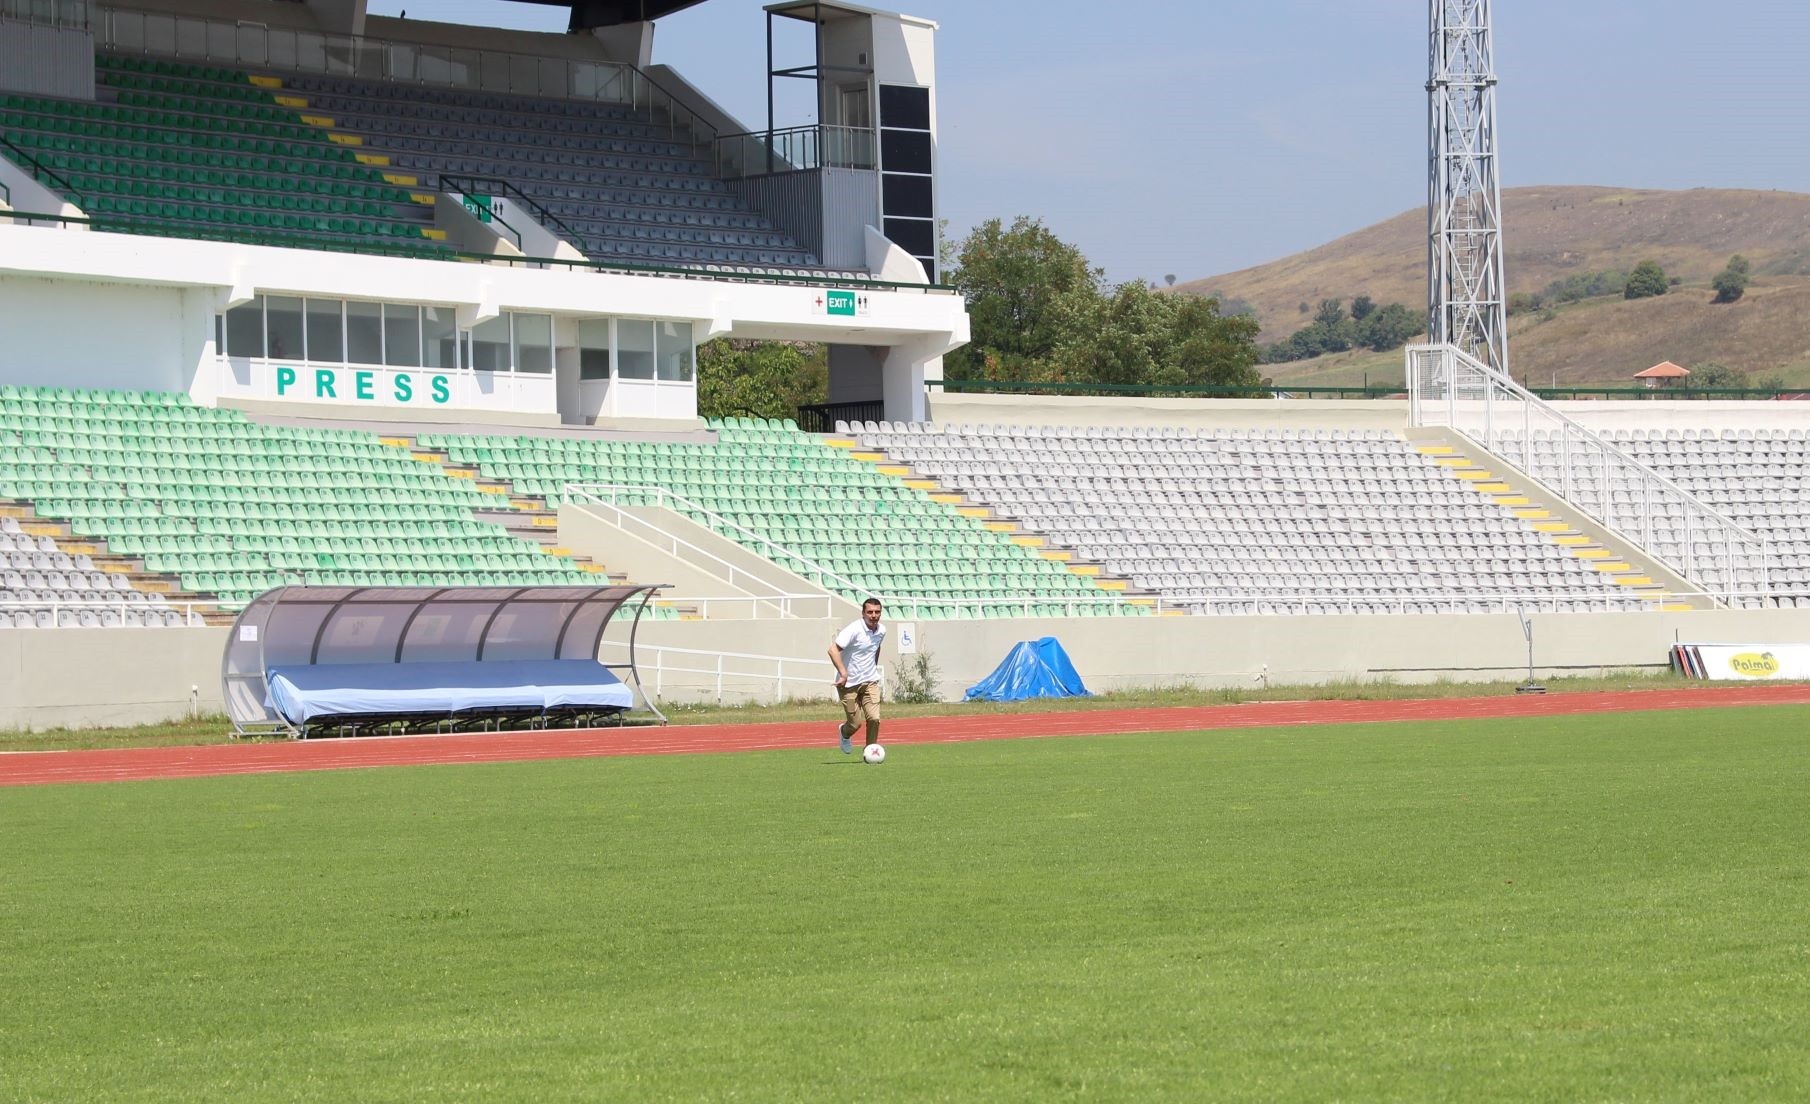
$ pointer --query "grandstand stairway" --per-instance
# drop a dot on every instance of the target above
(996, 521)
(524, 516)
(198, 151)
(104, 577)
(618, 183)
(1557, 521)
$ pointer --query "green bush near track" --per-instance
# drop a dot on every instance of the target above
(1603, 907)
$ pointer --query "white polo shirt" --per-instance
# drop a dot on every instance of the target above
(860, 651)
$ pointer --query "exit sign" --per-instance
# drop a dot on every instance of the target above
(843, 304)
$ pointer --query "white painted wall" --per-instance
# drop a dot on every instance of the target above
(110, 310)
(75, 333)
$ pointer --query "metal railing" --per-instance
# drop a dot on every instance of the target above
(614, 494)
(722, 671)
(47, 13)
(602, 497)
(816, 146)
(40, 172)
(472, 186)
(1330, 391)
(67, 614)
(245, 43)
(425, 250)
(1447, 387)
(822, 417)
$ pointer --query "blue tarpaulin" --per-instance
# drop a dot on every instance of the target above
(1032, 669)
(302, 693)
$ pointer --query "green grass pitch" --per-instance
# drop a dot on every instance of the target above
(1584, 908)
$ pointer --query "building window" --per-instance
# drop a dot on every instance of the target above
(674, 342)
(534, 343)
(245, 329)
(326, 336)
(283, 328)
(439, 338)
(634, 349)
(490, 345)
(594, 349)
(401, 336)
(364, 333)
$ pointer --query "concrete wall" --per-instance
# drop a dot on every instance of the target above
(82, 678)
(80, 334)
(1120, 653)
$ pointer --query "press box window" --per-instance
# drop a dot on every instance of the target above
(534, 343)
(245, 329)
(675, 351)
(634, 349)
(283, 327)
(594, 349)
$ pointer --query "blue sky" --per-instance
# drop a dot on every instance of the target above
(1164, 136)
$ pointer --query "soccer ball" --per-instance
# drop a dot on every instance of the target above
(874, 754)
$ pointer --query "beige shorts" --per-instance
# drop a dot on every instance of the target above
(861, 703)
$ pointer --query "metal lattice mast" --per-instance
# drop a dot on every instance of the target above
(1465, 296)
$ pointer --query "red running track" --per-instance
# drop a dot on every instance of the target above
(133, 764)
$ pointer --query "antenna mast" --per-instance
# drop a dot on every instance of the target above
(1466, 305)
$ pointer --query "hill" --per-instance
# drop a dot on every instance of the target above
(1555, 232)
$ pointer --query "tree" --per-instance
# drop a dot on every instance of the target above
(1731, 282)
(1391, 327)
(1714, 376)
(1361, 308)
(1646, 281)
(761, 379)
(1039, 312)
(1026, 291)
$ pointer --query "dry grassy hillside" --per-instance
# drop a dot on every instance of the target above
(1605, 341)
(1550, 232)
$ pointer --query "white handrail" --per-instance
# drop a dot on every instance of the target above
(1450, 388)
(623, 520)
(661, 493)
(788, 606)
(191, 618)
(653, 658)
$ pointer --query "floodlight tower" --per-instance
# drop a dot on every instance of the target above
(1465, 298)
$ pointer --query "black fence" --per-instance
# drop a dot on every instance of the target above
(1372, 391)
(822, 417)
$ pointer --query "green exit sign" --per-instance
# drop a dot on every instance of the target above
(842, 304)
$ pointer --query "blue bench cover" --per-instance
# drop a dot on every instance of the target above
(330, 689)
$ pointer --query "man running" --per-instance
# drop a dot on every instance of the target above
(856, 654)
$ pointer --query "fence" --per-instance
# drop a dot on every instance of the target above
(47, 13)
(1449, 388)
(722, 674)
(758, 152)
(100, 613)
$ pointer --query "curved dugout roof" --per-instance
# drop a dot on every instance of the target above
(317, 625)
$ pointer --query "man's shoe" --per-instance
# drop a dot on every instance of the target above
(848, 748)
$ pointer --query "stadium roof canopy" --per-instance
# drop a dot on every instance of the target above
(610, 13)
